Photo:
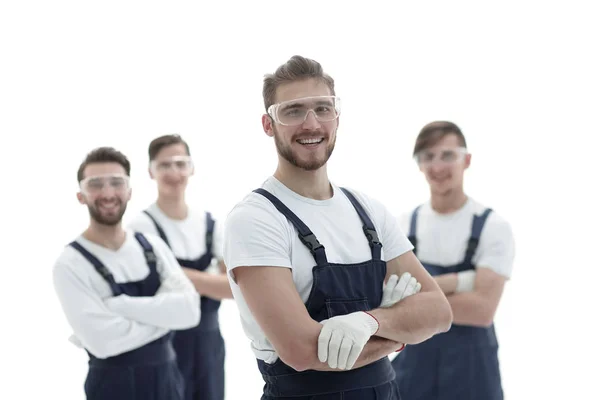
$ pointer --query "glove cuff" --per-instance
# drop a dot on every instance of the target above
(372, 323)
(465, 281)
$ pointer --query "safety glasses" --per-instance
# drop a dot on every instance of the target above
(92, 185)
(447, 156)
(180, 164)
(294, 112)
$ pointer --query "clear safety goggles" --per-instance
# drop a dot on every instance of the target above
(180, 164)
(446, 156)
(294, 112)
(119, 183)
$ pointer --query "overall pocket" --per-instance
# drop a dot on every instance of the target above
(337, 307)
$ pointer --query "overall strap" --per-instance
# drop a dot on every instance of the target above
(210, 229)
(412, 233)
(304, 233)
(160, 230)
(101, 268)
(148, 251)
(476, 228)
(368, 227)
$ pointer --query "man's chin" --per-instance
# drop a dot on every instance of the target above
(108, 222)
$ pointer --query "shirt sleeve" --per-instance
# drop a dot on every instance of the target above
(395, 241)
(174, 306)
(218, 240)
(404, 222)
(496, 249)
(100, 330)
(256, 236)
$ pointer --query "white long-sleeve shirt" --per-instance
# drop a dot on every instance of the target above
(107, 325)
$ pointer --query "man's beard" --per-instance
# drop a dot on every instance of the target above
(287, 153)
(111, 220)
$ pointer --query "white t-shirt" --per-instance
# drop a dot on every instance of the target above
(442, 238)
(186, 237)
(107, 325)
(256, 233)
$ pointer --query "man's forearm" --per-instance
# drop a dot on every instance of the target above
(210, 285)
(164, 310)
(375, 349)
(415, 318)
(447, 282)
(471, 308)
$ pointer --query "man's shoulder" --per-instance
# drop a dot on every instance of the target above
(369, 202)
(141, 222)
(496, 229)
(67, 256)
(153, 239)
(494, 218)
(70, 259)
(420, 209)
(253, 208)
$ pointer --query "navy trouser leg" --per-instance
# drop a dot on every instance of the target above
(210, 377)
(416, 373)
(184, 343)
(387, 391)
(470, 373)
(146, 382)
(201, 360)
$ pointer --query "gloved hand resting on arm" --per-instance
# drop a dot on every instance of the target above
(343, 337)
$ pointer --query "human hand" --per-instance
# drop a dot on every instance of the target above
(396, 289)
(343, 337)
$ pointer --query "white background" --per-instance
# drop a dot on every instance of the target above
(520, 79)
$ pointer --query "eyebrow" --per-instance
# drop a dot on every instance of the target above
(293, 105)
(299, 105)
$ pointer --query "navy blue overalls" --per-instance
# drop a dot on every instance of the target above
(461, 364)
(146, 373)
(337, 289)
(201, 349)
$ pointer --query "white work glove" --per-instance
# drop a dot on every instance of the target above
(343, 337)
(396, 289)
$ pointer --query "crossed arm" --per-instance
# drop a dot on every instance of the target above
(272, 297)
(215, 286)
(475, 294)
(174, 306)
(477, 305)
(103, 332)
(418, 317)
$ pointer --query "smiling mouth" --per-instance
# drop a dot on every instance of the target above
(109, 207)
(310, 141)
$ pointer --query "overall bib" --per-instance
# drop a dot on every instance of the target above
(146, 373)
(461, 364)
(201, 349)
(338, 289)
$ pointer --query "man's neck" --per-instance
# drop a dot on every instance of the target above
(311, 184)
(174, 208)
(109, 236)
(448, 202)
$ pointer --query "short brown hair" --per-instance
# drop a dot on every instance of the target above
(295, 69)
(163, 141)
(433, 132)
(104, 155)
